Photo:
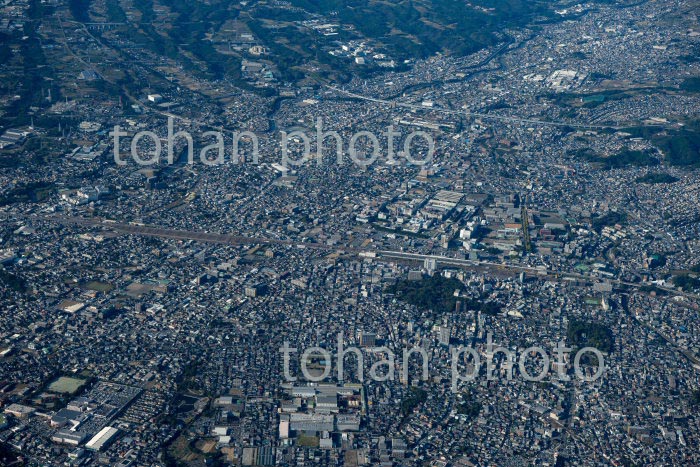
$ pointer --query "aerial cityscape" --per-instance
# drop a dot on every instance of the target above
(433, 233)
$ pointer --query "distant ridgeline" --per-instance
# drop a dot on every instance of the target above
(421, 28)
(402, 30)
(298, 35)
(398, 30)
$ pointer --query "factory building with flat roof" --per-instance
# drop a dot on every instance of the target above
(102, 438)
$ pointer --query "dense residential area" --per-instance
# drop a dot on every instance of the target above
(268, 232)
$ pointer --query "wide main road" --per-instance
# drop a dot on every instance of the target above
(542, 270)
(381, 255)
(134, 228)
(229, 239)
(402, 255)
(481, 115)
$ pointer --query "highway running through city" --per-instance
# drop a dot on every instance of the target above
(133, 228)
